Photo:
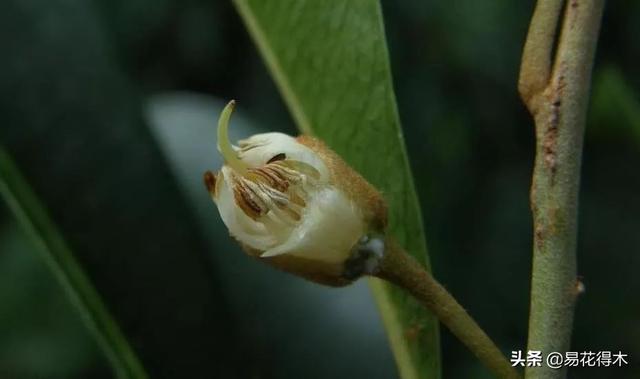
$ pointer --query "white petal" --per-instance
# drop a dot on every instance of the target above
(331, 226)
(258, 149)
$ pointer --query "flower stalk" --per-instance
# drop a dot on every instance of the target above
(403, 270)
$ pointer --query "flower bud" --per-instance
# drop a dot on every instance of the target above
(296, 204)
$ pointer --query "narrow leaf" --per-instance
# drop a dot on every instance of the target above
(330, 62)
(38, 225)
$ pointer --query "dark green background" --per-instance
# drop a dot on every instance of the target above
(76, 81)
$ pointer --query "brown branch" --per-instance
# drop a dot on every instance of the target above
(536, 58)
(403, 270)
(557, 97)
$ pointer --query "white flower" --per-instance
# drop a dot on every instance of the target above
(293, 201)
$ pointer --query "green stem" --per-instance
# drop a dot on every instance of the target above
(403, 270)
(39, 226)
(556, 91)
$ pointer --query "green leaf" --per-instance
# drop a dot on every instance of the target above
(330, 62)
(38, 225)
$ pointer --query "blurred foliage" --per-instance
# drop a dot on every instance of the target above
(615, 107)
(75, 74)
(44, 235)
(35, 317)
(76, 132)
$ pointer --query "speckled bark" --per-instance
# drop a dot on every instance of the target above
(556, 91)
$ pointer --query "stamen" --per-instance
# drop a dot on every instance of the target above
(297, 172)
(265, 175)
(210, 182)
(273, 194)
(248, 203)
(276, 202)
(301, 167)
(224, 146)
(297, 200)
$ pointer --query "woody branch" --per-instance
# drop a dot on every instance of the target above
(555, 89)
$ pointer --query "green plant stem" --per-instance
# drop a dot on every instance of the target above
(31, 214)
(556, 92)
(401, 269)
